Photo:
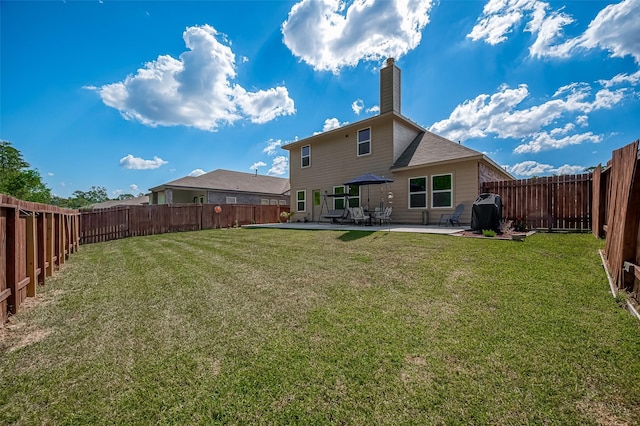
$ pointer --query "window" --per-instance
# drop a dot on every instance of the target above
(264, 201)
(301, 197)
(202, 199)
(364, 142)
(418, 193)
(306, 156)
(282, 202)
(273, 202)
(338, 202)
(354, 196)
(442, 190)
(231, 200)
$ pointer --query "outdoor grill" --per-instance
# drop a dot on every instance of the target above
(486, 212)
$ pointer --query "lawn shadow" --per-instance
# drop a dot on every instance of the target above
(353, 235)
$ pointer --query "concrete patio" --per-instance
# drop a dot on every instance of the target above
(325, 226)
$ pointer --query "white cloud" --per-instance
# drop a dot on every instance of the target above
(264, 105)
(196, 173)
(614, 28)
(272, 147)
(497, 114)
(357, 106)
(50, 174)
(133, 187)
(195, 90)
(137, 163)
(619, 79)
(499, 17)
(331, 123)
(332, 34)
(255, 166)
(280, 166)
(544, 141)
(532, 168)
(374, 109)
(116, 192)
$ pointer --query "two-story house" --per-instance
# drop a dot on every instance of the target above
(430, 173)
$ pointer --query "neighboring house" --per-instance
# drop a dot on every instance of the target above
(136, 201)
(223, 187)
(431, 174)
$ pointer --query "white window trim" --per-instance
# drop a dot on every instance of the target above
(302, 157)
(304, 200)
(344, 191)
(231, 200)
(358, 142)
(441, 191)
(425, 192)
(352, 197)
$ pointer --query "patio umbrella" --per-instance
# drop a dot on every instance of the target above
(368, 179)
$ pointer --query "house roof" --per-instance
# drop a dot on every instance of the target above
(136, 201)
(227, 180)
(429, 149)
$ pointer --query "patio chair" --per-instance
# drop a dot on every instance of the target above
(358, 216)
(384, 215)
(453, 219)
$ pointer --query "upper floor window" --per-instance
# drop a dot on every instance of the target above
(442, 190)
(306, 156)
(364, 142)
(418, 193)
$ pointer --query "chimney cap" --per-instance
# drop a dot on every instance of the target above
(390, 61)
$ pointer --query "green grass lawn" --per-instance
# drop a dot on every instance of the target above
(317, 327)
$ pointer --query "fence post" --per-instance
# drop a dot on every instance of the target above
(32, 254)
(41, 229)
(50, 244)
(12, 258)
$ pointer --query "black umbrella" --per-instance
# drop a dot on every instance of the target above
(368, 179)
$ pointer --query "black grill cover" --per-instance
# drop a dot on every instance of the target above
(486, 212)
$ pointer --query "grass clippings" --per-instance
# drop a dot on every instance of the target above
(321, 327)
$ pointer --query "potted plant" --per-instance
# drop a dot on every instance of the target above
(285, 216)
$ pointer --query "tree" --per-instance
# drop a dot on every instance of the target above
(17, 180)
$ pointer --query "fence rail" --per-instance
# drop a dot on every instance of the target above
(35, 239)
(129, 221)
(555, 202)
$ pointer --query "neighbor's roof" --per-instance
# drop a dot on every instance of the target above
(136, 201)
(430, 149)
(227, 180)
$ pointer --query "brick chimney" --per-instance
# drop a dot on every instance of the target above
(390, 79)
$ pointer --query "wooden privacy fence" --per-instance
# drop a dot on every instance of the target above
(34, 240)
(618, 216)
(130, 221)
(555, 202)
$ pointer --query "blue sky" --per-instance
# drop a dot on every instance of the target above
(132, 94)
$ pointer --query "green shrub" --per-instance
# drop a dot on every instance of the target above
(488, 232)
